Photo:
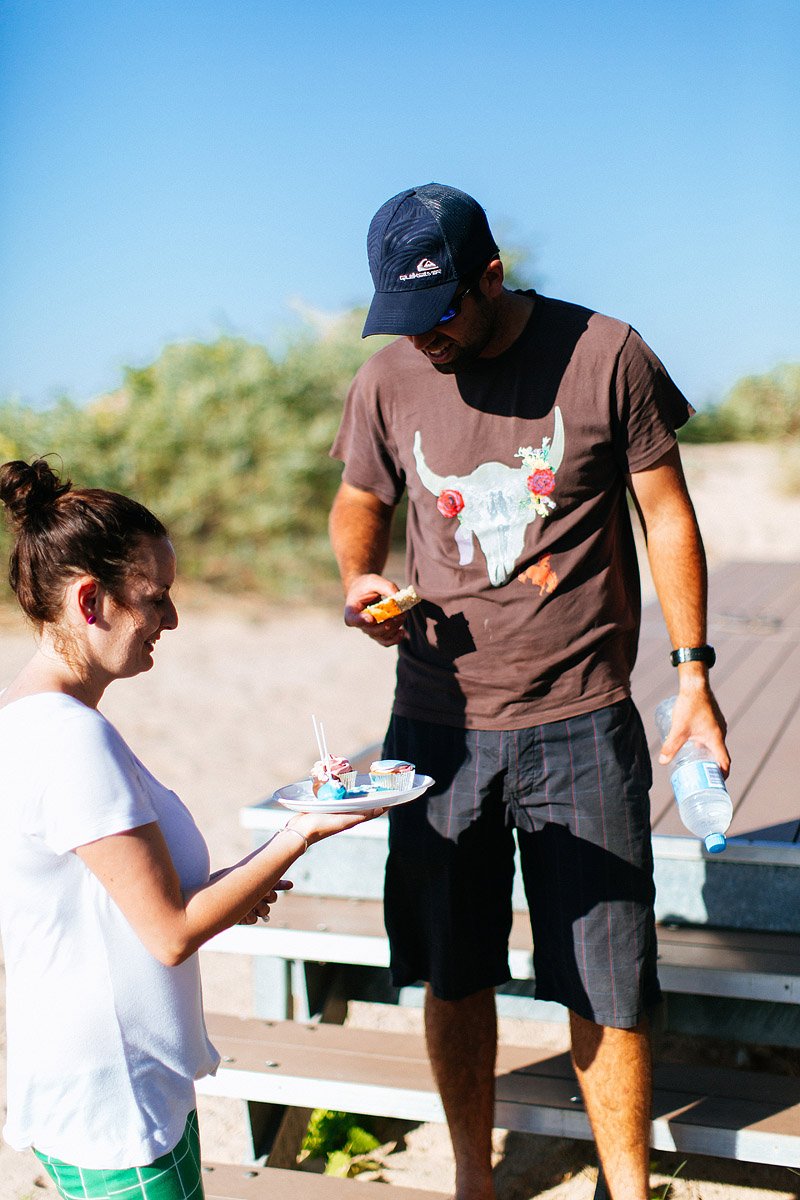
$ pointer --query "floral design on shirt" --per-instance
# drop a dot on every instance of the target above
(542, 478)
(496, 502)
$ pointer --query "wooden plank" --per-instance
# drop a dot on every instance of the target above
(227, 1181)
(744, 599)
(756, 703)
(742, 949)
(745, 965)
(729, 1114)
(754, 591)
(754, 618)
(728, 964)
(755, 739)
(770, 807)
(741, 680)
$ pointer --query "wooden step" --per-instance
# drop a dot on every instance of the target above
(739, 964)
(699, 1110)
(223, 1181)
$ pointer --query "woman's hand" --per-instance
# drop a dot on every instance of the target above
(260, 911)
(314, 827)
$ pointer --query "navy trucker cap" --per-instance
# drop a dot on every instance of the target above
(420, 244)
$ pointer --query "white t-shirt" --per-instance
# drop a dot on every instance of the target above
(104, 1041)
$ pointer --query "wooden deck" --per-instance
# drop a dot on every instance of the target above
(696, 1109)
(754, 624)
(225, 1181)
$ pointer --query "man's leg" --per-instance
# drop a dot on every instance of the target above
(462, 1044)
(584, 836)
(448, 929)
(615, 1073)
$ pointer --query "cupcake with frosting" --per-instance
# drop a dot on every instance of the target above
(392, 775)
(333, 770)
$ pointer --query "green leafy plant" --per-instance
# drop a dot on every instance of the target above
(342, 1141)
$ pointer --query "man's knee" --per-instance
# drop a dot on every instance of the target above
(589, 1038)
(476, 1002)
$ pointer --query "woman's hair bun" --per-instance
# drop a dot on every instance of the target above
(28, 489)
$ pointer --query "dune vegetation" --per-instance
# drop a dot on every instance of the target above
(229, 445)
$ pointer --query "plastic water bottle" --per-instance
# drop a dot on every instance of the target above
(702, 798)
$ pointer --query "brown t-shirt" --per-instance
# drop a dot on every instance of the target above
(519, 536)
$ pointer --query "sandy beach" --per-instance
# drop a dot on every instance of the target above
(224, 718)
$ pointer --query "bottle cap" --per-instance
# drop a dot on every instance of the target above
(716, 843)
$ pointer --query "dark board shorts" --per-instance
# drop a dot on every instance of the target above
(577, 793)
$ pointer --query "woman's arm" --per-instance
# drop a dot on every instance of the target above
(137, 871)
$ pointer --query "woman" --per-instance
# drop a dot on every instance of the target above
(105, 894)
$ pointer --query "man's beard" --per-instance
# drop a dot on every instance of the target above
(465, 355)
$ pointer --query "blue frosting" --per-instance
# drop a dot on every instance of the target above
(332, 791)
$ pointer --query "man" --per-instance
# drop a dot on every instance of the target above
(517, 424)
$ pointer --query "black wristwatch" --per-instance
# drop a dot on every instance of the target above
(705, 654)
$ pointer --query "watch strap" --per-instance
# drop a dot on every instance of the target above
(683, 654)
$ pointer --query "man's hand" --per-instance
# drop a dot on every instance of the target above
(697, 716)
(360, 525)
(364, 590)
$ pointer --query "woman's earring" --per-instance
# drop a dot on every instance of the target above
(90, 620)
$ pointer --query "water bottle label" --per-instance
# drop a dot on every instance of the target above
(696, 777)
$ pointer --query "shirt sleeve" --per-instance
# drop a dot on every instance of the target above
(94, 788)
(365, 444)
(650, 408)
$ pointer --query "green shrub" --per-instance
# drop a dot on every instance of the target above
(229, 446)
(757, 408)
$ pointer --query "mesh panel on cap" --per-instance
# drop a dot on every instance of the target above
(462, 224)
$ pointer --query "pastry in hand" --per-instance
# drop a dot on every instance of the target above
(393, 606)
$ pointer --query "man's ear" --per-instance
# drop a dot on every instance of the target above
(491, 281)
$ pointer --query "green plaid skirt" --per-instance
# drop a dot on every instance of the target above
(173, 1176)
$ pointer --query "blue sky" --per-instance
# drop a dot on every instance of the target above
(174, 169)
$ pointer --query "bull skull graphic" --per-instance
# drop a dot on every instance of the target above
(495, 503)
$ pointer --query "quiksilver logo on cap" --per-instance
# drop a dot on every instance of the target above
(424, 268)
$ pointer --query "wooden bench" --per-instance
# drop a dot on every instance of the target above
(696, 1109)
(223, 1181)
(743, 981)
(723, 1113)
(738, 964)
(737, 984)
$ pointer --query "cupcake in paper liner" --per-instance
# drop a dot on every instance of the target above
(340, 770)
(392, 775)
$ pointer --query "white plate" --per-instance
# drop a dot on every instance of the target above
(363, 797)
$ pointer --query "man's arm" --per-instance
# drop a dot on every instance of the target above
(678, 564)
(360, 526)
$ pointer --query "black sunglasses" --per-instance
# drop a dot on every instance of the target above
(455, 306)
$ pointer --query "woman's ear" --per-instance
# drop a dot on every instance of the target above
(86, 594)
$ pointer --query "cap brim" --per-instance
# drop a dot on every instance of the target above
(408, 313)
